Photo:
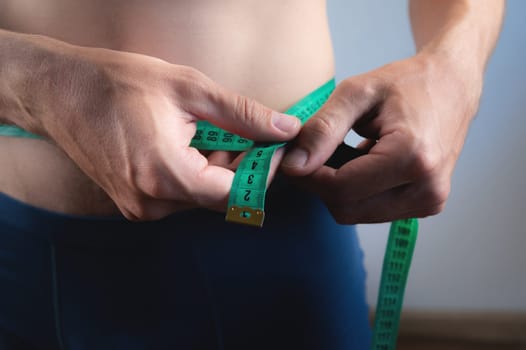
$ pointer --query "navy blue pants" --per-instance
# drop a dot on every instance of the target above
(190, 281)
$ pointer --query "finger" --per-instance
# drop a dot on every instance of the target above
(370, 174)
(274, 164)
(414, 200)
(235, 163)
(327, 128)
(223, 159)
(321, 183)
(206, 185)
(205, 188)
(343, 154)
(193, 179)
(236, 113)
(366, 145)
(205, 152)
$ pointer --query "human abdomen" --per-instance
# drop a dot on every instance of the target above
(273, 51)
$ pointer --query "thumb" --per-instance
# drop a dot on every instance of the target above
(325, 131)
(244, 116)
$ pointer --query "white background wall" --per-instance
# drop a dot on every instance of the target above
(473, 255)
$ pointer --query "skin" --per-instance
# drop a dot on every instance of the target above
(414, 115)
(118, 103)
(118, 106)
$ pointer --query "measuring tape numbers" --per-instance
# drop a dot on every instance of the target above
(246, 205)
(397, 261)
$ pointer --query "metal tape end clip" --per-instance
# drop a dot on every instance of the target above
(245, 215)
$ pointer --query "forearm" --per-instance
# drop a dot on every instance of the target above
(462, 31)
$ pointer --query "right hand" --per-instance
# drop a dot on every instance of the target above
(127, 121)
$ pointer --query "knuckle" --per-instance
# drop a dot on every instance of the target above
(188, 183)
(321, 126)
(420, 159)
(189, 73)
(191, 84)
(439, 195)
(435, 198)
(437, 209)
(425, 162)
(242, 106)
(369, 90)
(358, 91)
(351, 86)
(249, 110)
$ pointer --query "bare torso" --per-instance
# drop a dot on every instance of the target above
(273, 51)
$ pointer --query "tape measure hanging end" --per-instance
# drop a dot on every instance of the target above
(397, 261)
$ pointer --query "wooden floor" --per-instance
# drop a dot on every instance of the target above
(462, 331)
(445, 344)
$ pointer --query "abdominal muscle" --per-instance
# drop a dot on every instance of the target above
(274, 51)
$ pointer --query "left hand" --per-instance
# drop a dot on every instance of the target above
(414, 115)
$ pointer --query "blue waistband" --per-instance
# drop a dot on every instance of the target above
(288, 210)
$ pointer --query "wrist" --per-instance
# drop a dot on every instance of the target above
(32, 69)
(460, 77)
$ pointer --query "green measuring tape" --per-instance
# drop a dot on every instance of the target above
(246, 205)
(397, 261)
(247, 201)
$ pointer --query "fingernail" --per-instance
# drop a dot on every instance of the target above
(284, 122)
(297, 158)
